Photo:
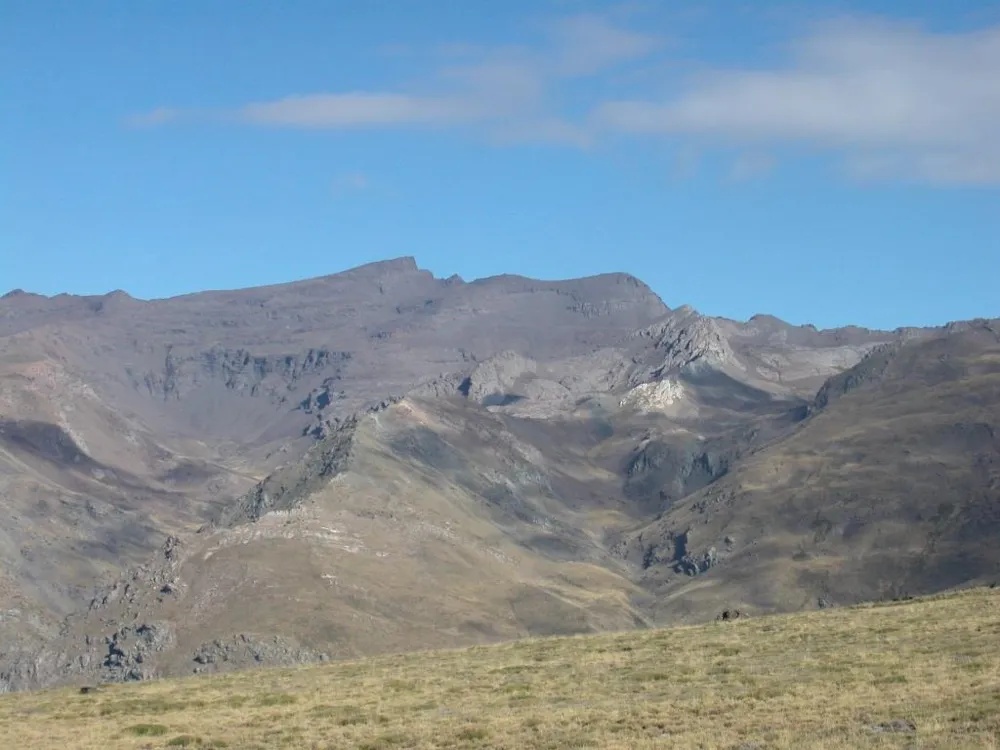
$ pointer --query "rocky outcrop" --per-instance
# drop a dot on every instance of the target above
(158, 577)
(238, 370)
(289, 486)
(131, 650)
(653, 397)
(660, 471)
(34, 668)
(245, 649)
(684, 339)
(870, 370)
(673, 550)
(493, 382)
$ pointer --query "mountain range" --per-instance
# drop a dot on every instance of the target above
(381, 460)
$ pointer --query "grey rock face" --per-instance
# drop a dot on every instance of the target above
(288, 486)
(243, 650)
(683, 339)
(872, 367)
(669, 470)
(131, 648)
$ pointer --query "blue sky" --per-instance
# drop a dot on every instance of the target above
(826, 162)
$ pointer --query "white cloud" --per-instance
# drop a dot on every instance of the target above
(890, 101)
(895, 101)
(355, 110)
(587, 44)
(507, 94)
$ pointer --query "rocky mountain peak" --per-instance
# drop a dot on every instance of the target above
(683, 339)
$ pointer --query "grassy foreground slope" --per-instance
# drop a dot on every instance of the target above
(924, 673)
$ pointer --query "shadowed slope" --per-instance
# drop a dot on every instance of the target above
(422, 524)
(891, 486)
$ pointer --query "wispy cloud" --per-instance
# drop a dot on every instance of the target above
(894, 101)
(510, 94)
(587, 44)
(354, 110)
(889, 101)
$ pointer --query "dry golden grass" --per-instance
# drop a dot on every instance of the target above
(845, 678)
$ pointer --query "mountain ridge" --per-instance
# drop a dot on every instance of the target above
(564, 436)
